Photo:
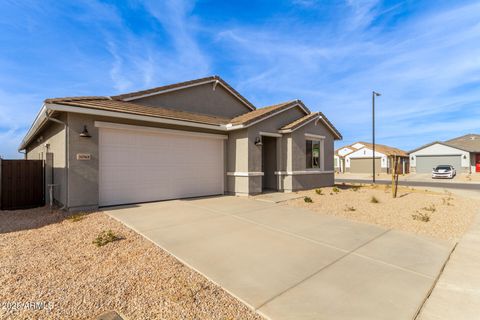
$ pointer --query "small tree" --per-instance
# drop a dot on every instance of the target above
(394, 168)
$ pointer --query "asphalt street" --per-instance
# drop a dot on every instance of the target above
(433, 184)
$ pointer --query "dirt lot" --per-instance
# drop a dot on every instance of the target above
(45, 258)
(448, 215)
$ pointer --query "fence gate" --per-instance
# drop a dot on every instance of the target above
(22, 184)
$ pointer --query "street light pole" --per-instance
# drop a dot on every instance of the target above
(374, 94)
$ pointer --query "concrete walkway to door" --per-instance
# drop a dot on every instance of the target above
(289, 263)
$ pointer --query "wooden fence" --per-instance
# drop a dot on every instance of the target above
(21, 184)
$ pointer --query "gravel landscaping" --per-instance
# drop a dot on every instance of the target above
(47, 258)
(438, 214)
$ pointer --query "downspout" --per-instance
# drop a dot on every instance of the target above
(67, 161)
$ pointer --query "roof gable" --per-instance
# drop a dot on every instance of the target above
(214, 80)
(365, 153)
(317, 117)
(344, 151)
(264, 113)
(381, 148)
(448, 145)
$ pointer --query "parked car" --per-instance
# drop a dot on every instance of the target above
(444, 171)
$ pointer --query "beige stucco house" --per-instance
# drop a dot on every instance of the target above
(189, 139)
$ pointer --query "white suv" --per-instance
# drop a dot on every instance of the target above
(444, 171)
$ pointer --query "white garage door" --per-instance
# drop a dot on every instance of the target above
(425, 164)
(140, 165)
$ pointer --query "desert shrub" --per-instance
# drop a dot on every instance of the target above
(106, 237)
(308, 200)
(319, 192)
(335, 189)
(446, 201)
(374, 200)
(348, 208)
(355, 188)
(76, 217)
(430, 208)
(424, 217)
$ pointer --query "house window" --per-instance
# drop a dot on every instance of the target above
(312, 154)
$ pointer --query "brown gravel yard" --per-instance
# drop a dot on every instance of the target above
(449, 215)
(46, 258)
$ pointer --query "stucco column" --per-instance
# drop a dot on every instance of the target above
(289, 165)
(279, 163)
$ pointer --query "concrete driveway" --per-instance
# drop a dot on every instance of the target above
(289, 263)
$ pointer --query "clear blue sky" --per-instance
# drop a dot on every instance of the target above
(423, 56)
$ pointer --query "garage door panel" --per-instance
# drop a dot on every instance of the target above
(140, 166)
(364, 165)
(425, 164)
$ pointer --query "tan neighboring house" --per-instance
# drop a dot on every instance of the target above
(463, 153)
(188, 139)
(357, 158)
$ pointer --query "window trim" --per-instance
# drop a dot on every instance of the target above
(311, 136)
(321, 156)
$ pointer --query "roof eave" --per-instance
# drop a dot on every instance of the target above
(37, 124)
(40, 120)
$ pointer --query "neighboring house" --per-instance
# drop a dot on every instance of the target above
(357, 158)
(189, 139)
(463, 153)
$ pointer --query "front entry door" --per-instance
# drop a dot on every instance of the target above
(269, 163)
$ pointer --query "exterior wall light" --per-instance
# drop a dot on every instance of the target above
(464, 156)
(84, 133)
(258, 141)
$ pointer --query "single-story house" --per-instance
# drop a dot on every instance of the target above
(357, 158)
(463, 153)
(189, 139)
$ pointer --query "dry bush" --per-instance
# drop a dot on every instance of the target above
(424, 217)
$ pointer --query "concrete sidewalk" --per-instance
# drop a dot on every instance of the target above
(290, 263)
(457, 292)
